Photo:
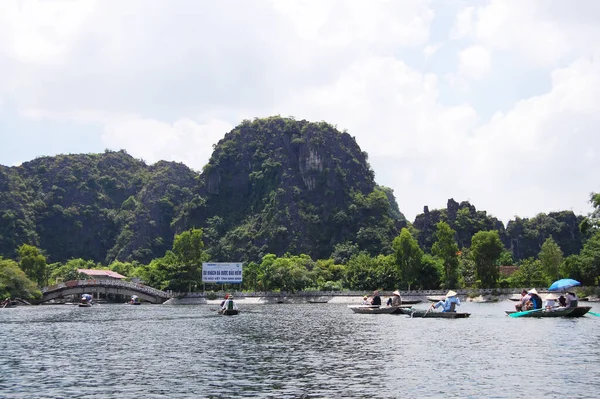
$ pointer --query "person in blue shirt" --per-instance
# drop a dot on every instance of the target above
(449, 304)
(535, 301)
(86, 298)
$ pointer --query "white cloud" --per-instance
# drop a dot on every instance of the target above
(537, 33)
(431, 49)
(463, 25)
(183, 141)
(396, 102)
(167, 83)
(346, 22)
(42, 32)
(542, 150)
(474, 62)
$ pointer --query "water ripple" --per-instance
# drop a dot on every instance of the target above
(292, 351)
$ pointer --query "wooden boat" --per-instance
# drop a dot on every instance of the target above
(8, 304)
(84, 304)
(229, 312)
(560, 312)
(374, 309)
(434, 315)
(579, 311)
(135, 300)
(411, 301)
(436, 298)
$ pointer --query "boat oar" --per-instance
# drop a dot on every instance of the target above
(594, 314)
(431, 307)
(519, 314)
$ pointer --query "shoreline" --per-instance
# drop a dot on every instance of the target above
(331, 299)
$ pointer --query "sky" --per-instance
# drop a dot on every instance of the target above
(494, 102)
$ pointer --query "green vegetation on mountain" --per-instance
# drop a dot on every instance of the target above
(277, 185)
(295, 200)
(524, 237)
(94, 206)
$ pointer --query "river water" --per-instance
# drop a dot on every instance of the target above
(293, 351)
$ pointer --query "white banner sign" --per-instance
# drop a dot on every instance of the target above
(230, 273)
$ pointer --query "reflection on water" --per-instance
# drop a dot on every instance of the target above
(292, 351)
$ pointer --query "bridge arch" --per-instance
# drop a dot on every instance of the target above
(111, 286)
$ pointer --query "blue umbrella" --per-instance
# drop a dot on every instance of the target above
(563, 284)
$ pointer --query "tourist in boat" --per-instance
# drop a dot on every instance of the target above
(86, 298)
(535, 301)
(524, 298)
(562, 301)
(572, 300)
(376, 298)
(550, 302)
(449, 304)
(223, 301)
(395, 300)
(229, 303)
(365, 300)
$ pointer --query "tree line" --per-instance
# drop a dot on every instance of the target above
(407, 266)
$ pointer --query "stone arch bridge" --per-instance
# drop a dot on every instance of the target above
(106, 286)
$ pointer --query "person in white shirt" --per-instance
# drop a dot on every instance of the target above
(524, 298)
(229, 304)
(550, 301)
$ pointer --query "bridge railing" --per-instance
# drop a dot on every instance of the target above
(106, 283)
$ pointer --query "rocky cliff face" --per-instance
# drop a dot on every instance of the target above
(272, 185)
(100, 207)
(527, 235)
(464, 218)
(277, 185)
(523, 237)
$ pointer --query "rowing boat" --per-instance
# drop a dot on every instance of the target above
(433, 315)
(374, 309)
(579, 311)
(229, 312)
(411, 301)
(560, 312)
(436, 298)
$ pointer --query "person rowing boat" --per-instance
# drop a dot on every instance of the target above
(395, 299)
(449, 304)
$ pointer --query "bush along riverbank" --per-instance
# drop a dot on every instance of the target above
(353, 297)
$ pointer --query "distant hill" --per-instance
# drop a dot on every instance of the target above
(272, 185)
(278, 185)
(94, 206)
(523, 236)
